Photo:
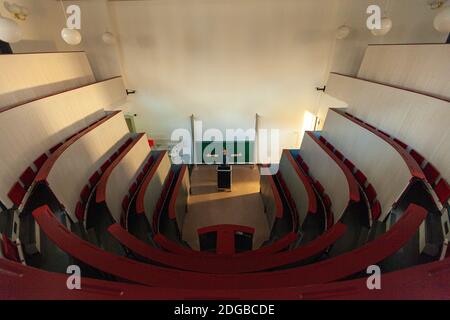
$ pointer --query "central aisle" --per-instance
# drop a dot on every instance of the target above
(242, 206)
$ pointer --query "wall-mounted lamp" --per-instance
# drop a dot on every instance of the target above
(130, 92)
(436, 4)
(108, 38)
(343, 32)
(321, 89)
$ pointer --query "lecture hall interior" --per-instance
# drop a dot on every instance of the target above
(224, 149)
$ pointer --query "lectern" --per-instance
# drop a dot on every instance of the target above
(224, 174)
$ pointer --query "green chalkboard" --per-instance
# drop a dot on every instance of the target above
(237, 152)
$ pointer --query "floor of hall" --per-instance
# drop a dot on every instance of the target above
(242, 206)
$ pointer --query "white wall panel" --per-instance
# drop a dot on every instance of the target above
(323, 168)
(124, 174)
(182, 200)
(154, 188)
(295, 186)
(25, 77)
(423, 68)
(377, 159)
(83, 158)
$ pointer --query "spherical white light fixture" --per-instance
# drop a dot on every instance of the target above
(9, 30)
(343, 32)
(386, 26)
(71, 36)
(442, 20)
(19, 12)
(108, 38)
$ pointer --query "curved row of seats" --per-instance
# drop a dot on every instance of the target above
(438, 183)
(325, 271)
(424, 281)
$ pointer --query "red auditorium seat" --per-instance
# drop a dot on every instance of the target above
(417, 156)
(323, 139)
(319, 187)
(79, 211)
(146, 167)
(133, 188)
(54, 148)
(349, 165)
(376, 210)
(122, 148)
(339, 155)
(369, 125)
(125, 203)
(105, 166)
(443, 191)
(299, 158)
(371, 193)
(362, 179)
(304, 167)
(67, 139)
(9, 249)
(159, 205)
(17, 193)
(129, 140)
(151, 142)
(330, 219)
(140, 177)
(381, 131)
(401, 143)
(84, 195)
(431, 173)
(39, 162)
(93, 180)
(113, 156)
(329, 146)
(326, 201)
(27, 177)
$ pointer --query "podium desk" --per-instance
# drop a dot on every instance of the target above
(224, 176)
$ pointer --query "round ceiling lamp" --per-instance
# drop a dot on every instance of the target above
(386, 26)
(71, 36)
(18, 11)
(108, 38)
(442, 20)
(9, 30)
(343, 32)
